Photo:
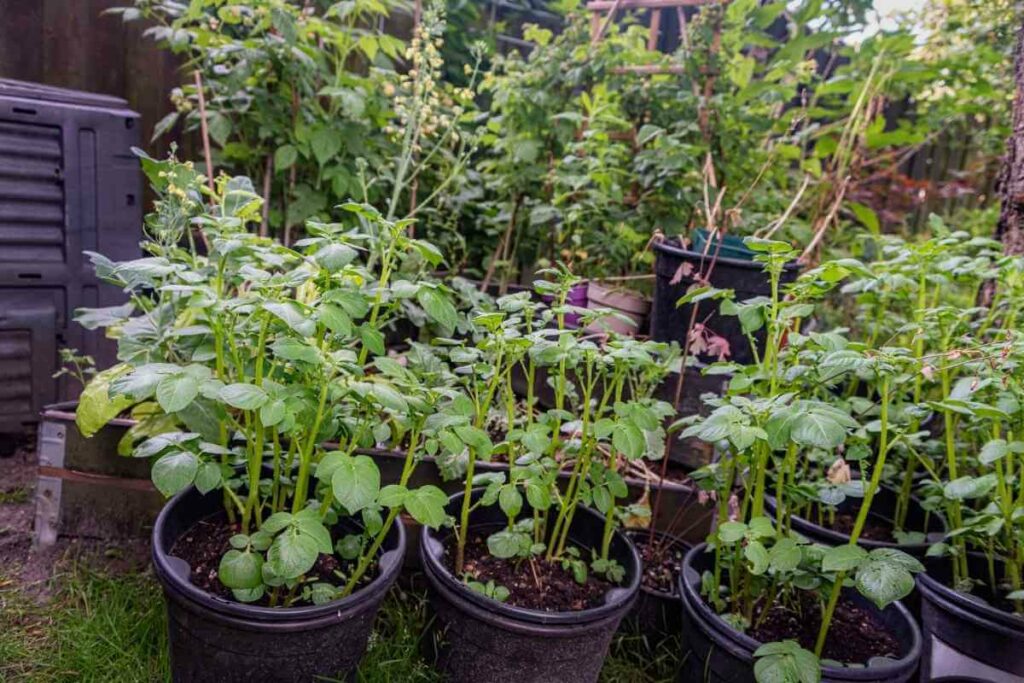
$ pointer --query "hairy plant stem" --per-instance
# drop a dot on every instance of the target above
(771, 360)
(368, 555)
(862, 515)
(906, 489)
(613, 466)
(255, 440)
(306, 455)
(378, 298)
(467, 491)
(568, 508)
(953, 509)
(723, 517)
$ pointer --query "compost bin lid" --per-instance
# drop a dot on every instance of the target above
(38, 91)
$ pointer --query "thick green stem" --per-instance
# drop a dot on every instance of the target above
(613, 466)
(306, 455)
(367, 557)
(582, 466)
(467, 491)
(960, 570)
(862, 516)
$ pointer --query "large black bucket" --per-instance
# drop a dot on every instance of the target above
(482, 639)
(747, 279)
(715, 652)
(963, 634)
(218, 640)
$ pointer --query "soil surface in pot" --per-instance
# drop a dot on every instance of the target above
(874, 529)
(854, 637)
(205, 543)
(981, 593)
(532, 584)
(661, 562)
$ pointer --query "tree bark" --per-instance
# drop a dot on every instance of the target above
(1010, 182)
(1010, 228)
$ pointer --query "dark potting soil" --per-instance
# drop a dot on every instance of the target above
(874, 529)
(205, 543)
(661, 563)
(534, 584)
(854, 637)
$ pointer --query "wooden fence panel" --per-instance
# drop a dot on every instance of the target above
(72, 44)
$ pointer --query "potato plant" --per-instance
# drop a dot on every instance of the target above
(923, 295)
(766, 427)
(604, 415)
(979, 481)
(250, 358)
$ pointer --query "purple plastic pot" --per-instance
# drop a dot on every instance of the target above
(577, 297)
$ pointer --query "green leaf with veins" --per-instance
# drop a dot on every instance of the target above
(175, 392)
(427, 505)
(438, 307)
(843, 558)
(629, 440)
(785, 662)
(355, 482)
(241, 569)
(292, 554)
(886, 578)
(174, 471)
(243, 396)
(818, 430)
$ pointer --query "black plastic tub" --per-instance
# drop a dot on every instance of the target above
(656, 616)
(965, 635)
(481, 639)
(219, 640)
(747, 279)
(715, 652)
(883, 509)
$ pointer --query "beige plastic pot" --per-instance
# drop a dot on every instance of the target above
(633, 306)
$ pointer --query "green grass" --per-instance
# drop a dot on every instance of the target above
(15, 496)
(94, 627)
(102, 627)
(636, 658)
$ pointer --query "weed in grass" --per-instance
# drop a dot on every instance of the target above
(15, 496)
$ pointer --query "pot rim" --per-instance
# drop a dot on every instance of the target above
(616, 599)
(632, 301)
(64, 411)
(694, 603)
(665, 247)
(801, 523)
(169, 575)
(982, 614)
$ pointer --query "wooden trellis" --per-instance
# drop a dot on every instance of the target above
(603, 13)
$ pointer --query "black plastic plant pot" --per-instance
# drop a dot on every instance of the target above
(730, 246)
(215, 639)
(676, 268)
(883, 509)
(481, 639)
(656, 612)
(715, 652)
(965, 635)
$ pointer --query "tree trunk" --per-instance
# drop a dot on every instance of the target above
(1010, 182)
(1010, 229)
